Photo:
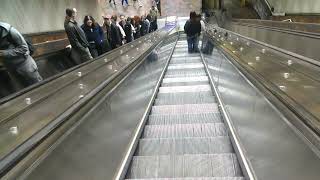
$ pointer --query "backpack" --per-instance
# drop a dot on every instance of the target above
(31, 48)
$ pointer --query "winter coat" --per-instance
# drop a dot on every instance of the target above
(13, 44)
(76, 36)
(192, 28)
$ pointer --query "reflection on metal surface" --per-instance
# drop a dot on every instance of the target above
(270, 142)
(28, 101)
(286, 75)
(14, 130)
(52, 103)
(283, 88)
(106, 131)
(275, 63)
(81, 86)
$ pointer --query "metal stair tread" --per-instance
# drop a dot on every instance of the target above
(185, 108)
(185, 130)
(192, 88)
(194, 178)
(167, 119)
(186, 79)
(204, 165)
(203, 97)
(180, 146)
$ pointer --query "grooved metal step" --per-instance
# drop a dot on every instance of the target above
(186, 79)
(184, 55)
(185, 130)
(185, 109)
(180, 146)
(208, 165)
(185, 73)
(194, 178)
(164, 119)
(181, 60)
(177, 89)
(186, 66)
(184, 84)
(184, 98)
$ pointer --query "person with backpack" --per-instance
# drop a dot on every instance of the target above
(15, 55)
(193, 29)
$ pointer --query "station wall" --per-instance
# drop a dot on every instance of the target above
(33, 16)
(296, 6)
(180, 7)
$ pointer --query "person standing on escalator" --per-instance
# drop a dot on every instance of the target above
(77, 38)
(193, 29)
(15, 55)
(94, 34)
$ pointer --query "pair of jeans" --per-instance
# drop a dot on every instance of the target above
(193, 43)
(126, 2)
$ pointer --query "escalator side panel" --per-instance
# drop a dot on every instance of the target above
(96, 147)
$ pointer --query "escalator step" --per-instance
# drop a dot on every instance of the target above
(160, 119)
(185, 66)
(184, 54)
(180, 146)
(209, 165)
(185, 79)
(185, 73)
(184, 98)
(185, 83)
(181, 60)
(177, 89)
(194, 178)
(185, 109)
(185, 130)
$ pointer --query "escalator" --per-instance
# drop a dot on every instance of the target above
(185, 136)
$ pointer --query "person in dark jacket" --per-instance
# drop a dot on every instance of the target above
(94, 34)
(77, 38)
(15, 56)
(128, 30)
(115, 39)
(193, 29)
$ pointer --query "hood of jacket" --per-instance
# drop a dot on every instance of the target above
(4, 29)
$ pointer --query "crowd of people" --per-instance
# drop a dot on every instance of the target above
(87, 41)
(91, 39)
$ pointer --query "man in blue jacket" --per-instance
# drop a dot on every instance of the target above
(15, 56)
